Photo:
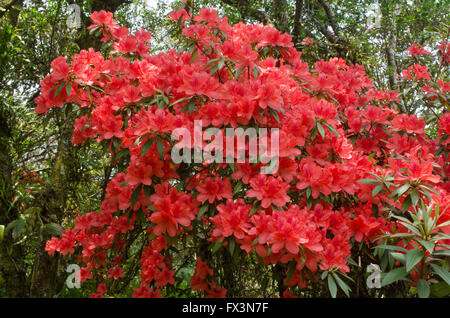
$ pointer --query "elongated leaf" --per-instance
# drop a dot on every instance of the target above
(413, 257)
(216, 246)
(58, 90)
(411, 227)
(427, 244)
(255, 72)
(239, 72)
(231, 245)
(406, 203)
(202, 211)
(399, 257)
(332, 286)
(68, 88)
(377, 189)
(147, 146)
(331, 128)
(135, 195)
(445, 275)
(391, 247)
(291, 272)
(253, 210)
(346, 289)
(423, 288)
(414, 197)
(393, 276)
(440, 289)
(441, 253)
(194, 55)
(401, 190)
(160, 147)
(368, 181)
(321, 130)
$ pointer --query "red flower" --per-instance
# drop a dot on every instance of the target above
(116, 272)
(213, 189)
(417, 50)
(232, 219)
(314, 176)
(269, 190)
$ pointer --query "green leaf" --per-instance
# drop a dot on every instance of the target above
(17, 226)
(412, 228)
(368, 181)
(194, 55)
(189, 106)
(291, 272)
(332, 286)
(231, 245)
(160, 147)
(122, 153)
(255, 241)
(441, 253)
(391, 247)
(445, 275)
(2, 230)
(342, 284)
(331, 128)
(394, 276)
(180, 100)
(90, 96)
(253, 211)
(414, 197)
(412, 258)
(214, 69)
(401, 190)
(68, 88)
(255, 72)
(321, 130)
(58, 90)
(352, 262)
(202, 211)
(53, 229)
(406, 203)
(399, 257)
(238, 187)
(308, 192)
(427, 244)
(440, 289)
(423, 288)
(377, 189)
(216, 246)
(135, 194)
(238, 73)
(147, 192)
(147, 146)
(275, 115)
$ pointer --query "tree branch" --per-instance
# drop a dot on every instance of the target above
(297, 21)
(331, 17)
(243, 5)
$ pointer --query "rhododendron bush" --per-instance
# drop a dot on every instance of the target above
(357, 182)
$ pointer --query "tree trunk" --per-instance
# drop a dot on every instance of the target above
(12, 266)
(280, 15)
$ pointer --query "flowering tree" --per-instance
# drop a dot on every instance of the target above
(356, 181)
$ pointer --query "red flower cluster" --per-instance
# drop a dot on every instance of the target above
(334, 127)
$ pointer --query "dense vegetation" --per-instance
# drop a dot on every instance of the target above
(357, 89)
